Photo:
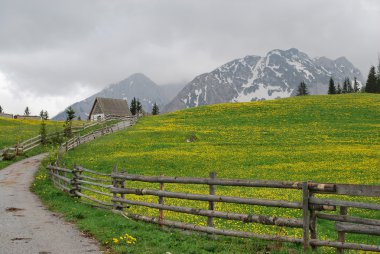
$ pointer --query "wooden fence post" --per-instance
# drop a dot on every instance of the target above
(161, 202)
(75, 184)
(17, 149)
(313, 224)
(306, 215)
(116, 184)
(122, 185)
(211, 204)
(341, 234)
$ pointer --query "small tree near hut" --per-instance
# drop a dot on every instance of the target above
(339, 89)
(43, 133)
(133, 107)
(372, 81)
(70, 115)
(138, 107)
(332, 88)
(44, 115)
(27, 111)
(302, 89)
(155, 109)
(356, 85)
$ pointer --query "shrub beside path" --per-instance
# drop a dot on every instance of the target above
(26, 225)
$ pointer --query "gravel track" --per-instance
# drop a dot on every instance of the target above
(26, 226)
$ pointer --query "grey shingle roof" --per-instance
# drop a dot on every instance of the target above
(112, 107)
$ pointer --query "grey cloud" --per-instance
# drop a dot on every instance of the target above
(52, 46)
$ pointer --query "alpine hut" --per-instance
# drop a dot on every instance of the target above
(107, 107)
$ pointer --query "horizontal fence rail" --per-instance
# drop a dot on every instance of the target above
(78, 140)
(114, 188)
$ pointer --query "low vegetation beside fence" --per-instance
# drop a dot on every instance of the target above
(115, 191)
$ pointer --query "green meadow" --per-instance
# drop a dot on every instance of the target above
(318, 138)
(327, 139)
(19, 130)
(14, 130)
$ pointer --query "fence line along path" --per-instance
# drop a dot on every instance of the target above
(113, 191)
(27, 145)
(78, 140)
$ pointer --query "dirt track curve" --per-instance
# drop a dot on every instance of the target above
(26, 226)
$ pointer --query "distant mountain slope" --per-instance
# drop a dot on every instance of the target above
(254, 78)
(137, 85)
(171, 91)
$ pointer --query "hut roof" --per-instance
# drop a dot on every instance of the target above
(109, 106)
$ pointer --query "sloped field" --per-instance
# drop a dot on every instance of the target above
(319, 138)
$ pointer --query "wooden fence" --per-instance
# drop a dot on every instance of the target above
(78, 140)
(27, 145)
(114, 187)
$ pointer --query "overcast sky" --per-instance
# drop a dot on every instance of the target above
(54, 52)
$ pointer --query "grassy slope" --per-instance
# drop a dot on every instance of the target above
(14, 130)
(319, 138)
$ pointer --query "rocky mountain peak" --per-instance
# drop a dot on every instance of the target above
(276, 75)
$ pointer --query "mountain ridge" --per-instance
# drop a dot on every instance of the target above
(276, 75)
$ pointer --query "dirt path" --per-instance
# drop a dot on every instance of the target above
(25, 225)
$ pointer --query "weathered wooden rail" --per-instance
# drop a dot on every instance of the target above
(114, 189)
(78, 140)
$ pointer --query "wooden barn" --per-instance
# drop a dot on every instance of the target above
(107, 107)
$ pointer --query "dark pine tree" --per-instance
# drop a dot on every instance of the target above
(138, 107)
(43, 133)
(302, 89)
(372, 81)
(356, 85)
(133, 106)
(339, 89)
(46, 115)
(1, 109)
(27, 111)
(155, 109)
(332, 88)
(70, 115)
(348, 85)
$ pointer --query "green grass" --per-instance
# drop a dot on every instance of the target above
(18, 130)
(319, 138)
(14, 130)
